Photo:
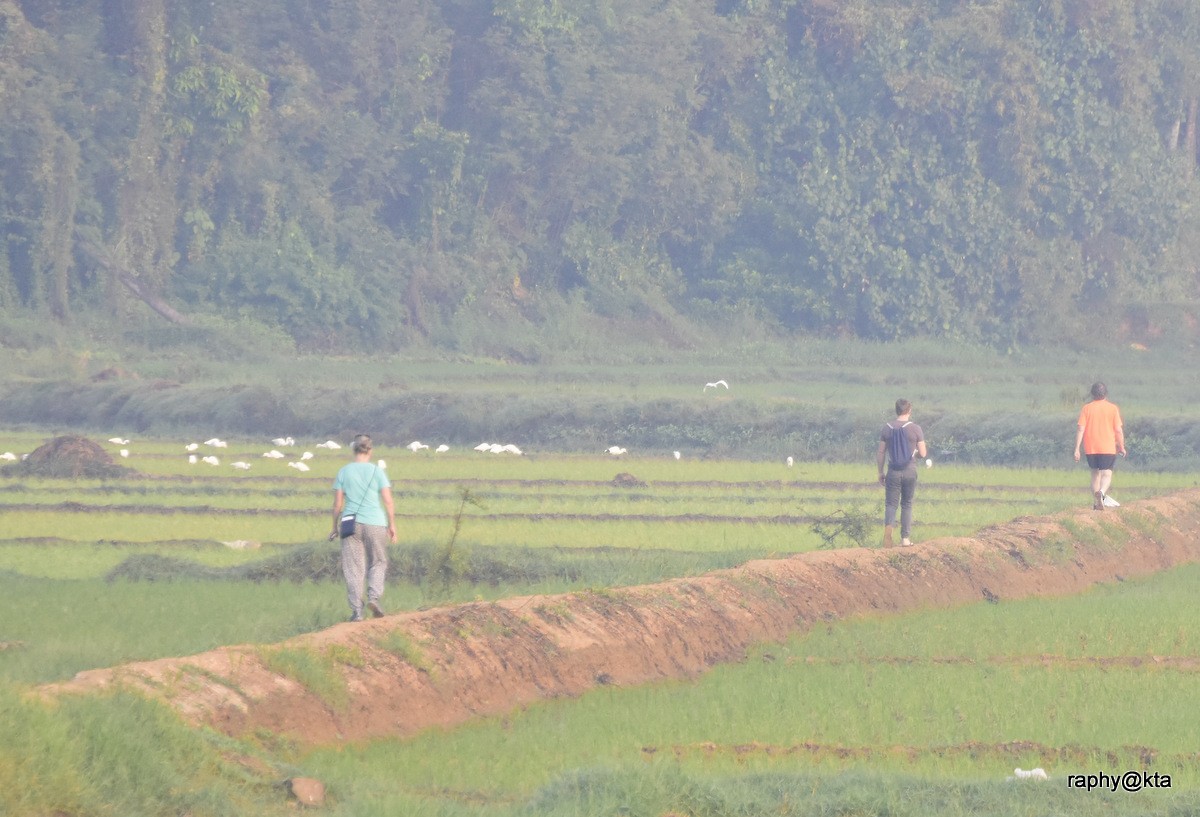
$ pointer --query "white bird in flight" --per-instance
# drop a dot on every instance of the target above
(708, 386)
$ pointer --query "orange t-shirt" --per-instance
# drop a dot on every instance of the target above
(1100, 421)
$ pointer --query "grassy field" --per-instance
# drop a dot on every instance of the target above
(837, 721)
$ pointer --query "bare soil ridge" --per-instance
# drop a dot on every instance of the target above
(404, 673)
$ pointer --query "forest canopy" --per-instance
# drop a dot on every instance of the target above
(364, 174)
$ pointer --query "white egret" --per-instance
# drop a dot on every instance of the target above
(124, 452)
(442, 449)
(330, 444)
(1028, 774)
(512, 449)
(415, 446)
(616, 450)
(791, 461)
(496, 448)
(8, 456)
(242, 466)
(191, 446)
(382, 464)
(282, 441)
(708, 386)
(274, 455)
(216, 443)
(118, 441)
(483, 447)
(192, 459)
(299, 466)
(307, 455)
(677, 454)
(211, 460)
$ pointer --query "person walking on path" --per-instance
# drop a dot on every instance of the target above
(364, 516)
(900, 443)
(1102, 437)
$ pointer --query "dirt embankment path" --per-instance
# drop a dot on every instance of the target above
(397, 675)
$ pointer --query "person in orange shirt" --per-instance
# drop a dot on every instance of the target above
(1103, 438)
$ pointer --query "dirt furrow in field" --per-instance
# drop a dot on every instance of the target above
(397, 675)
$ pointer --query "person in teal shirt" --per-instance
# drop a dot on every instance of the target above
(363, 489)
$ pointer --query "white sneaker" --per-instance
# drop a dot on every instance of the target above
(1109, 502)
(905, 543)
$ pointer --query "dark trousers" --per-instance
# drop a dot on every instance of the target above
(901, 487)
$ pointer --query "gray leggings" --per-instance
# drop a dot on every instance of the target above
(901, 489)
(364, 557)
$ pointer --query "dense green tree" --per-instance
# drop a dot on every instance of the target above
(373, 174)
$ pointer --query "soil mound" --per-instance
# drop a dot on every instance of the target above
(443, 666)
(71, 457)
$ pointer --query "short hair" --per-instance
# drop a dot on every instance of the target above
(903, 406)
(1099, 391)
(362, 443)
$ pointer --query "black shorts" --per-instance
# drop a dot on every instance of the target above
(1102, 462)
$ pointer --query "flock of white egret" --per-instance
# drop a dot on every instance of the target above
(300, 463)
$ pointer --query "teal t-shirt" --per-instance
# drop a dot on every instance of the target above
(362, 482)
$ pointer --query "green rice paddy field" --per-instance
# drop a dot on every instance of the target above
(922, 714)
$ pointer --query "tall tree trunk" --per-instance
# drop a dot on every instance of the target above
(146, 207)
(1190, 143)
